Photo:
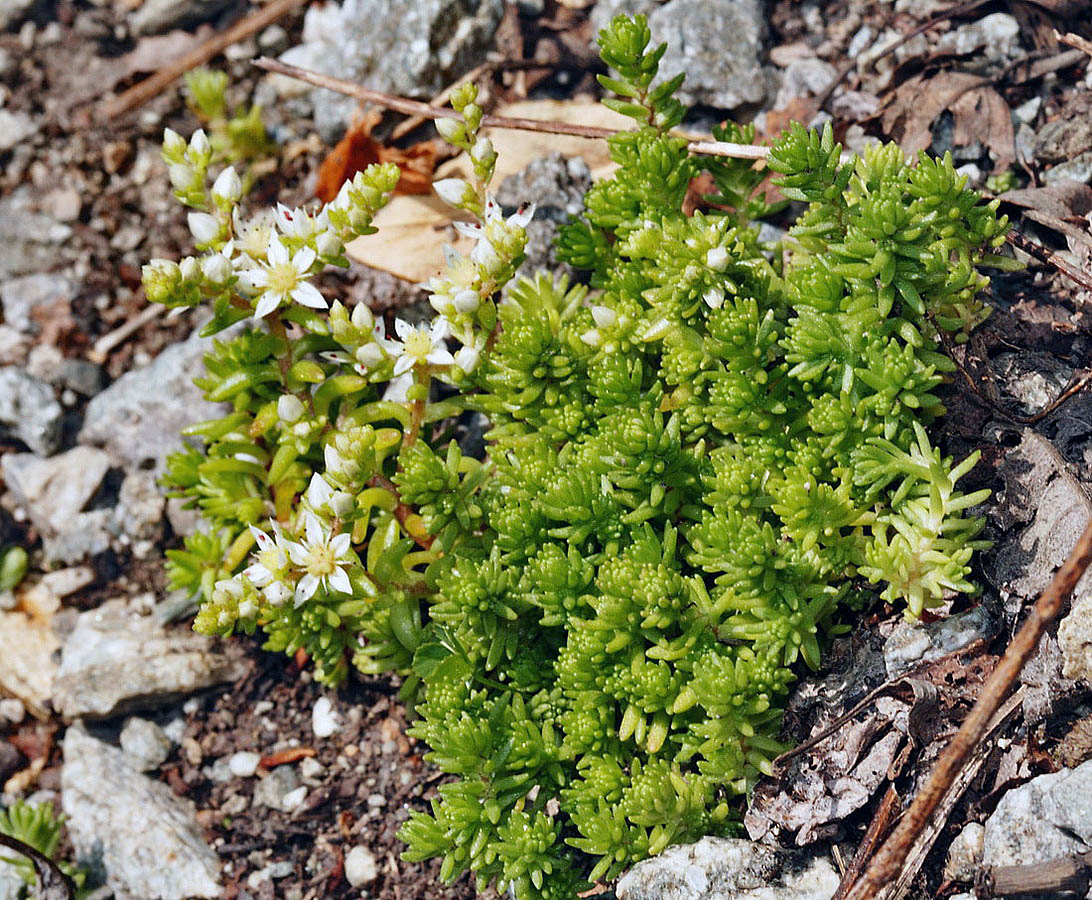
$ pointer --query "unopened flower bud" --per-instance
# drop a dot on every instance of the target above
(451, 130)
(467, 358)
(205, 228)
(216, 268)
(453, 191)
(328, 244)
(173, 143)
(228, 187)
(369, 356)
(289, 408)
(714, 298)
(362, 317)
(190, 269)
(717, 259)
(466, 300)
(604, 316)
(181, 176)
(199, 143)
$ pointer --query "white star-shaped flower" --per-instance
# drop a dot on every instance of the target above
(323, 557)
(282, 278)
(421, 345)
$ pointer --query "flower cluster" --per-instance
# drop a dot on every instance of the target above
(697, 463)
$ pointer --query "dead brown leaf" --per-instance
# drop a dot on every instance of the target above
(979, 113)
(405, 250)
(799, 109)
(358, 150)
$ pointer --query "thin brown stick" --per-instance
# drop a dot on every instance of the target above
(1075, 41)
(875, 833)
(1050, 258)
(53, 884)
(1068, 875)
(106, 343)
(923, 844)
(143, 91)
(428, 111)
(888, 861)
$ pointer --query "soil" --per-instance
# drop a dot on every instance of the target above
(371, 773)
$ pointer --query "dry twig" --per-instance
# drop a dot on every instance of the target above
(885, 867)
(428, 111)
(143, 91)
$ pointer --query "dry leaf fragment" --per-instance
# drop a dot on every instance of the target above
(979, 114)
(358, 150)
(413, 228)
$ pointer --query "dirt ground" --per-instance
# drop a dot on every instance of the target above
(104, 180)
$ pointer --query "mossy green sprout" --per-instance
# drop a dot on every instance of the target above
(698, 459)
(39, 827)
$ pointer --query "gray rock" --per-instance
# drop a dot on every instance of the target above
(144, 743)
(139, 417)
(361, 867)
(1047, 818)
(20, 296)
(965, 854)
(141, 506)
(996, 36)
(432, 42)
(115, 662)
(29, 411)
(723, 868)
(15, 127)
(54, 491)
(12, 12)
(1042, 511)
(147, 838)
(12, 886)
(1075, 640)
(1063, 138)
(911, 643)
(717, 43)
(154, 16)
(1077, 169)
(804, 78)
(278, 784)
(605, 10)
(556, 186)
(28, 239)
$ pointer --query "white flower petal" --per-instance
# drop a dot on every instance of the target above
(440, 329)
(276, 252)
(316, 534)
(318, 491)
(263, 540)
(403, 365)
(339, 581)
(268, 302)
(303, 260)
(296, 552)
(306, 588)
(440, 357)
(468, 229)
(258, 574)
(403, 328)
(340, 544)
(306, 294)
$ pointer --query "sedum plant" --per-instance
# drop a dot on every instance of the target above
(698, 464)
(38, 826)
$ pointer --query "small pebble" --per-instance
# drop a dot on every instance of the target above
(244, 763)
(311, 768)
(324, 719)
(12, 710)
(377, 800)
(360, 866)
(293, 799)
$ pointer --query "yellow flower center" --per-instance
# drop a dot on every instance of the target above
(418, 345)
(320, 561)
(283, 278)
